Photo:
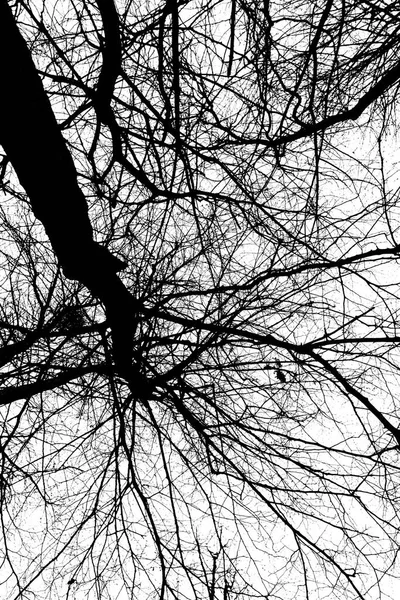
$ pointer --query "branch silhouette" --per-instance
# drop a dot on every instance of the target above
(31, 138)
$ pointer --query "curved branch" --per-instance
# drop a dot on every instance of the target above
(11, 394)
(111, 54)
(377, 90)
(391, 77)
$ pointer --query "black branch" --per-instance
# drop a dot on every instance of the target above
(31, 138)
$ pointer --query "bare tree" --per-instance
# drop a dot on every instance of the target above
(199, 299)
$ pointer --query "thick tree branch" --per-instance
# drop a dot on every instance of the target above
(10, 351)
(111, 66)
(11, 394)
(32, 140)
(376, 91)
(111, 54)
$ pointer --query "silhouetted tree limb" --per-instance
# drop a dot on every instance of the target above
(11, 394)
(308, 129)
(30, 135)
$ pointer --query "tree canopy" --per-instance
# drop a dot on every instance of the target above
(199, 316)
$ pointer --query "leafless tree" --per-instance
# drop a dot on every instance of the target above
(199, 299)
